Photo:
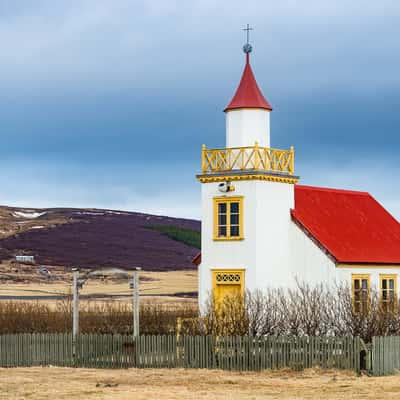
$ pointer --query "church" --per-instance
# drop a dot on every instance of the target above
(261, 228)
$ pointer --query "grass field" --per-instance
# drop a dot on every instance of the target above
(152, 283)
(84, 384)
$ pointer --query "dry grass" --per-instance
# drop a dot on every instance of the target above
(153, 283)
(62, 383)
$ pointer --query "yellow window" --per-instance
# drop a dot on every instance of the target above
(388, 292)
(228, 218)
(361, 291)
(227, 283)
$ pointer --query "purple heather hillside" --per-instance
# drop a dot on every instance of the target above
(99, 238)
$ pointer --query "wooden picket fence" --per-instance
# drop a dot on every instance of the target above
(228, 353)
(97, 351)
(385, 355)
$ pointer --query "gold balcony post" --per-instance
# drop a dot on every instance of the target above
(228, 159)
(203, 158)
(291, 170)
(256, 156)
(242, 161)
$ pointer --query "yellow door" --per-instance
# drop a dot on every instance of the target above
(227, 283)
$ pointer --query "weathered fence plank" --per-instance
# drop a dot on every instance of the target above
(385, 355)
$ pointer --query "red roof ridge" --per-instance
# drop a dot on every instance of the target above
(334, 190)
(248, 94)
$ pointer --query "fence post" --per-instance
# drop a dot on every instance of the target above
(75, 316)
(368, 355)
(135, 284)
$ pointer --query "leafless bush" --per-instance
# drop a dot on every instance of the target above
(303, 311)
(36, 317)
(264, 312)
(226, 317)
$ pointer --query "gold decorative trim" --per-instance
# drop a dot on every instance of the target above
(247, 177)
(366, 266)
(248, 158)
(228, 200)
(221, 239)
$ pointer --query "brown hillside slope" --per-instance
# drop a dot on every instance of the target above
(94, 238)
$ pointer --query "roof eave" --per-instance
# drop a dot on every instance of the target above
(310, 235)
(330, 254)
(229, 108)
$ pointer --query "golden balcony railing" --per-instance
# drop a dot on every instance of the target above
(251, 158)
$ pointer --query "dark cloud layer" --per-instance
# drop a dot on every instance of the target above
(121, 95)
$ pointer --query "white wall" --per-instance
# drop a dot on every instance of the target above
(275, 251)
(244, 127)
(312, 265)
(272, 223)
(263, 252)
(308, 262)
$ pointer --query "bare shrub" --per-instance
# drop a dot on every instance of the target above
(264, 312)
(226, 317)
(303, 311)
(36, 317)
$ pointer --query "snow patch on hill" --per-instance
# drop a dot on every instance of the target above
(28, 214)
(89, 213)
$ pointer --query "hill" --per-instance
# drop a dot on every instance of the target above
(93, 238)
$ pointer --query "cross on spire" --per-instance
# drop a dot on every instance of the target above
(247, 47)
(248, 29)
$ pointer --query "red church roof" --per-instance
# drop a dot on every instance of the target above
(351, 226)
(248, 94)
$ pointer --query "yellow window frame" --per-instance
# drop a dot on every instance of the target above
(228, 201)
(383, 302)
(360, 277)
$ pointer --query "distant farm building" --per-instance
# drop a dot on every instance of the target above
(25, 259)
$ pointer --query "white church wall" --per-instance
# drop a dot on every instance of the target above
(374, 274)
(225, 254)
(274, 200)
(274, 251)
(312, 265)
(308, 262)
(244, 127)
(263, 252)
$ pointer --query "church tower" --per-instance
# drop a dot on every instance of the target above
(247, 195)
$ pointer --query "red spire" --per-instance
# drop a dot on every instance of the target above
(248, 94)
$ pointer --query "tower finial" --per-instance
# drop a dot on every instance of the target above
(247, 47)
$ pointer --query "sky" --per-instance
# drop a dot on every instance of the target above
(107, 103)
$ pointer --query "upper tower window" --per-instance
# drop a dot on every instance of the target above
(228, 218)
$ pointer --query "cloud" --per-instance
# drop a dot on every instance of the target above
(172, 191)
(101, 99)
(152, 42)
(358, 174)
